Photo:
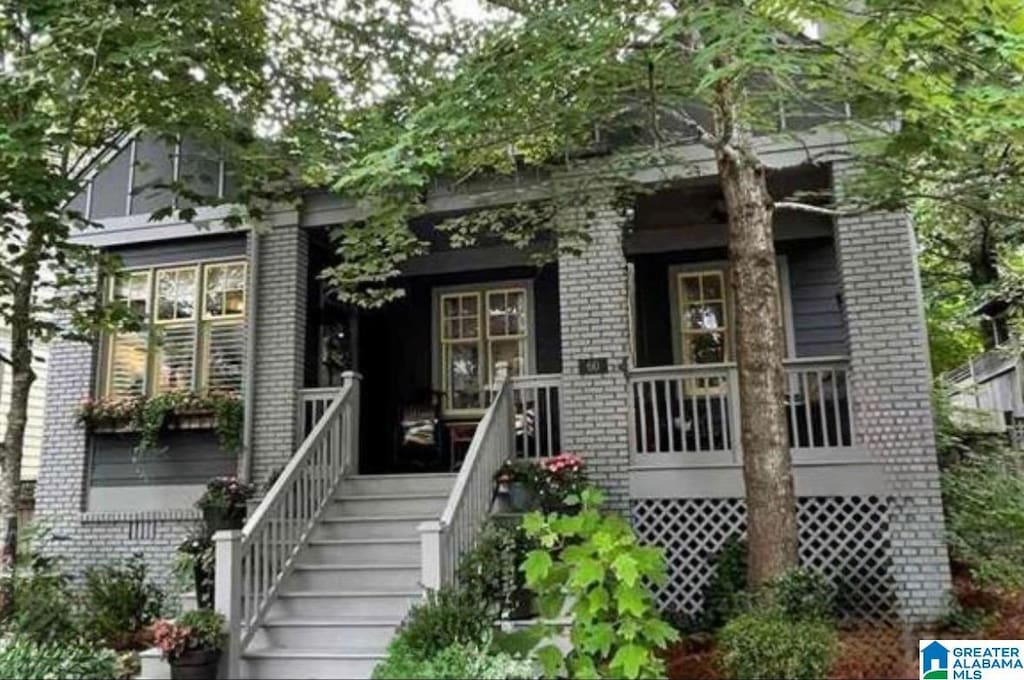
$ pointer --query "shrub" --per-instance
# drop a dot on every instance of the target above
(200, 629)
(43, 609)
(446, 617)
(724, 595)
(455, 661)
(803, 594)
(592, 564)
(23, 658)
(195, 563)
(765, 644)
(119, 602)
(984, 497)
(491, 569)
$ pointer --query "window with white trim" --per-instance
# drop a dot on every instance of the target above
(192, 334)
(477, 329)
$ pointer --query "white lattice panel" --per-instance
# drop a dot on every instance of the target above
(847, 538)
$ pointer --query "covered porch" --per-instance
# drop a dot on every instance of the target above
(428, 360)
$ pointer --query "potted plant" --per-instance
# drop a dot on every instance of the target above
(195, 564)
(223, 504)
(561, 476)
(517, 482)
(192, 644)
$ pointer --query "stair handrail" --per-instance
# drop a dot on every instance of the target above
(252, 563)
(444, 541)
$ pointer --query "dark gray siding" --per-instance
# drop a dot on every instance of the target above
(110, 188)
(818, 326)
(182, 250)
(189, 457)
(819, 329)
(154, 166)
(198, 168)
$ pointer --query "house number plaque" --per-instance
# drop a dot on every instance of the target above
(593, 366)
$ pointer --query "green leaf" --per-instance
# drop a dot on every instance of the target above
(533, 523)
(537, 566)
(628, 661)
(551, 660)
(626, 569)
(588, 571)
(630, 600)
(551, 605)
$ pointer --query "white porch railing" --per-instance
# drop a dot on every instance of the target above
(444, 541)
(313, 404)
(694, 410)
(538, 407)
(252, 563)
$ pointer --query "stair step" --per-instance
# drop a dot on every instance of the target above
(397, 484)
(387, 505)
(343, 603)
(374, 577)
(397, 526)
(353, 551)
(328, 634)
(273, 662)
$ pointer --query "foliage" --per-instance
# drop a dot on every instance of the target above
(564, 476)
(968, 620)
(118, 602)
(591, 567)
(491, 569)
(984, 500)
(197, 630)
(24, 658)
(149, 416)
(803, 594)
(43, 602)
(446, 617)
(764, 643)
(195, 565)
(225, 492)
(550, 480)
(456, 661)
(725, 592)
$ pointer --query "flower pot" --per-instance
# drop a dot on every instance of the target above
(521, 498)
(219, 518)
(197, 664)
(523, 605)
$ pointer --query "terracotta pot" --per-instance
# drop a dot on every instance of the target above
(197, 664)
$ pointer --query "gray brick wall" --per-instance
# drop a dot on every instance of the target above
(891, 383)
(280, 332)
(594, 293)
(85, 538)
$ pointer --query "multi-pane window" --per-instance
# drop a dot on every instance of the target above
(478, 329)
(192, 336)
(704, 318)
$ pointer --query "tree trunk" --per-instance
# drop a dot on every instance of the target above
(22, 377)
(767, 464)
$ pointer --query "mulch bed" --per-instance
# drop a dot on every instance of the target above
(871, 650)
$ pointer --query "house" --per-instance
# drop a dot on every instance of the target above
(34, 427)
(989, 383)
(622, 353)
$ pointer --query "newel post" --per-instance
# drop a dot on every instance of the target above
(503, 381)
(351, 462)
(432, 556)
(228, 597)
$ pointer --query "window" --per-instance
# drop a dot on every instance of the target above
(704, 318)
(478, 329)
(703, 321)
(192, 336)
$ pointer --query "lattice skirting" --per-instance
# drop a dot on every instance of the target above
(846, 538)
